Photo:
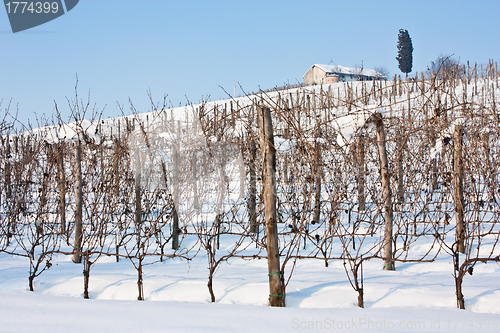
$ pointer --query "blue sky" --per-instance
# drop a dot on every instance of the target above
(122, 48)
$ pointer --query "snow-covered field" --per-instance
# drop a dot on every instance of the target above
(415, 297)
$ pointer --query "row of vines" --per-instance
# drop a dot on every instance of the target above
(396, 171)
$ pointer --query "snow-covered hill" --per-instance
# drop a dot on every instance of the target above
(202, 164)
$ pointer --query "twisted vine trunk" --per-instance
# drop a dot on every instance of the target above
(210, 284)
(86, 276)
(140, 281)
(359, 284)
(31, 279)
(458, 288)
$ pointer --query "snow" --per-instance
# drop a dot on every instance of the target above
(436, 150)
(78, 129)
(45, 313)
(415, 297)
(349, 124)
(420, 296)
(82, 129)
(446, 134)
(348, 70)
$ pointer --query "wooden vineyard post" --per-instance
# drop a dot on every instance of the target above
(8, 187)
(285, 172)
(490, 167)
(194, 177)
(77, 250)
(434, 173)
(276, 288)
(399, 167)
(253, 189)
(242, 171)
(175, 216)
(387, 197)
(317, 182)
(137, 190)
(360, 159)
(458, 191)
(62, 188)
(1, 189)
(138, 221)
(116, 187)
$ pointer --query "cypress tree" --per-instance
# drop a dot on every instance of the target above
(405, 50)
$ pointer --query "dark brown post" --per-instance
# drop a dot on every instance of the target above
(194, 175)
(77, 251)
(458, 191)
(285, 172)
(62, 188)
(491, 170)
(175, 216)
(8, 187)
(434, 173)
(399, 167)
(252, 203)
(137, 188)
(276, 288)
(116, 176)
(138, 221)
(361, 172)
(242, 171)
(317, 182)
(386, 186)
(1, 142)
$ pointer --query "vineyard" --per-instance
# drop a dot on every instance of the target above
(391, 172)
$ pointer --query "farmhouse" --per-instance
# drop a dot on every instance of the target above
(324, 74)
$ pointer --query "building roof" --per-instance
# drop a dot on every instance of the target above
(334, 69)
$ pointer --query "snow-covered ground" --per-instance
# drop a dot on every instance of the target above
(415, 297)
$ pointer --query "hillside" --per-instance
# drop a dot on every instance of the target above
(386, 196)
